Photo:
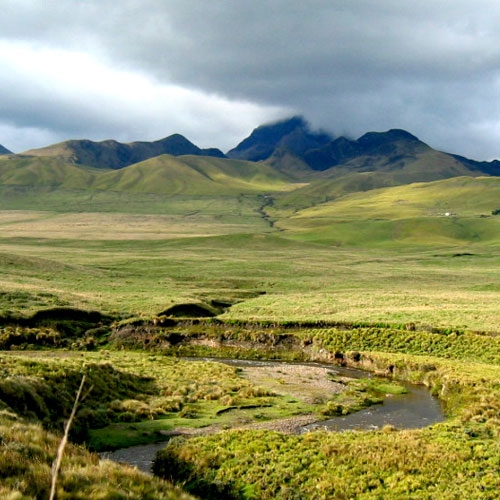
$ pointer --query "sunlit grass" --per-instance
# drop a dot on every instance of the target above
(438, 463)
(136, 396)
(28, 451)
(420, 273)
(453, 287)
(453, 459)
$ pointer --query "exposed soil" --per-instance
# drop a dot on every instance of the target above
(290, 425)
(311, 384)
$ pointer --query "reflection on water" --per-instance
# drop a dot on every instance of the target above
(139, 456)
(413, 410)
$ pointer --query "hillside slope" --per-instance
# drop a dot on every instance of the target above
(39, 172)
(194, 175)
(365, 173)
(163, 174)
(454, 211)
(4, 150)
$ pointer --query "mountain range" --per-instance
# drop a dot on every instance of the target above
(289, 145)
(115, 155)
(380, 188)
(320, 151)
(317, 166)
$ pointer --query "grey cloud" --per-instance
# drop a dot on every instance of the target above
(347, 65)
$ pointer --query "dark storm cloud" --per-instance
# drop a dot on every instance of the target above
(215, 70)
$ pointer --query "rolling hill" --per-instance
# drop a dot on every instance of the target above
(383, 187)
(292, 148)
(355, 176)
(163, 174)
(194, 175)
(37, 172)
(455, 211)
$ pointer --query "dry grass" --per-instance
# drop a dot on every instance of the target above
(112, 226)
(26, 455)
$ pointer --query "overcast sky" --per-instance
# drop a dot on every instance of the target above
(213, 71)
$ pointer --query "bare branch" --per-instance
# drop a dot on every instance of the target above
(60, 451)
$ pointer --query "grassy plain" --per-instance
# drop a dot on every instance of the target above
(139, 265)
(419, 289)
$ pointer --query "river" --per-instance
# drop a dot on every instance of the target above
(416, 409)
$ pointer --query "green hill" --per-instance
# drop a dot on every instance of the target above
(381, 189)
(164, 184)
(452, 211)
(194, 175)
(40, 172)
(366, 173)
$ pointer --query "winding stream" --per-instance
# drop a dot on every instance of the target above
(416, 409)
(413, 410)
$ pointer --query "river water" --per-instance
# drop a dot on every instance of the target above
(416, 409)
(413, 410)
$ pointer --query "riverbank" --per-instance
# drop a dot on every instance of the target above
(309, 382)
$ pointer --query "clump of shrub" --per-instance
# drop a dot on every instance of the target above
(44, 390)
(17, 337)
(464, 346)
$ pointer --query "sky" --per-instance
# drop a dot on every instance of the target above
(141, 70)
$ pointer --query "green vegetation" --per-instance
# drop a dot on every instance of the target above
(28, 451)
(440, 287)
(436, 463)
(129, 398)
(455, 459)
(131, 388)
(127, 388)
(402, 281)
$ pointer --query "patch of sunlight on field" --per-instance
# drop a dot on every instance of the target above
(469, 310)
(135, 264)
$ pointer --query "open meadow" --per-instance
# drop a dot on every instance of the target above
(323, 283)
(138, 265)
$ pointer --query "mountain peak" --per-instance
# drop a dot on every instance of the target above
(379, 138)
(293, 134)
(4, 151)
(387, 143)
